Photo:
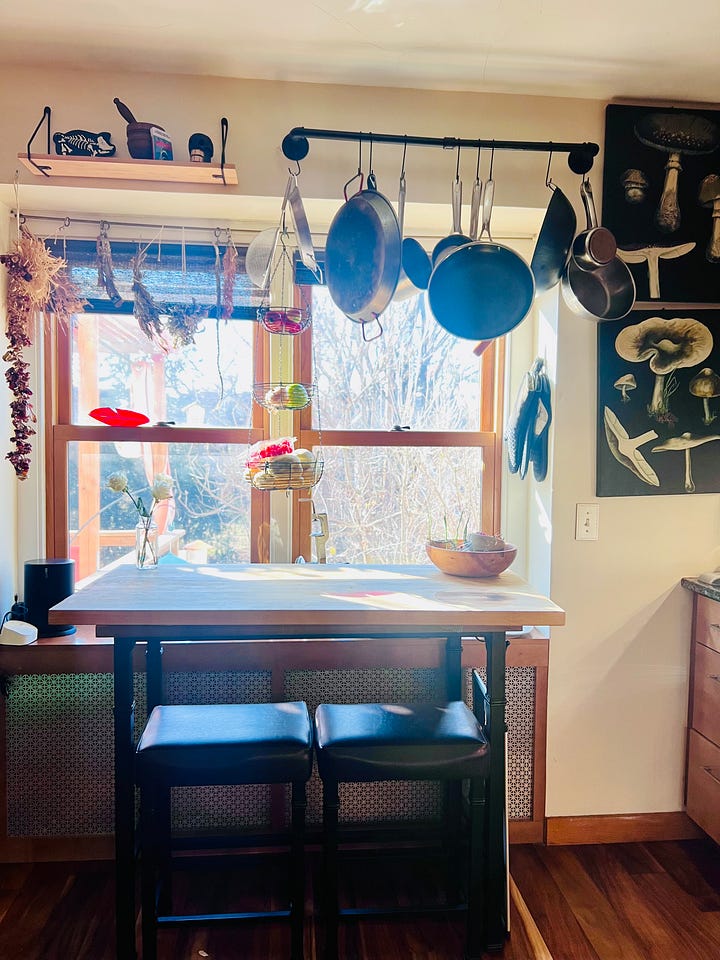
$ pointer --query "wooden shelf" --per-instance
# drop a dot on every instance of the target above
(113, 168)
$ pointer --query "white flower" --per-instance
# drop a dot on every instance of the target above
(162, 487)
(117, 482)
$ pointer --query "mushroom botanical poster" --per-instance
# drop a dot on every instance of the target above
(659, 403)
(661, 199)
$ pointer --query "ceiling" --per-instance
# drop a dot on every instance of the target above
(635, 49)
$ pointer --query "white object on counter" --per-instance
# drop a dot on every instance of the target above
(18, 632)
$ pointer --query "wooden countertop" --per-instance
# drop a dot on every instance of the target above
(309, 600)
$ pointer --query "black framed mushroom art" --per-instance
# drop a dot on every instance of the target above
(658, 429)
(661, 199)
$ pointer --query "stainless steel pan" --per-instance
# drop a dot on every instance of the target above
(604, 292)
(362, 256)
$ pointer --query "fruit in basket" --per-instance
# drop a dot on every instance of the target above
(297, 396)
(305, 456)
(276, 396)
(286, 465)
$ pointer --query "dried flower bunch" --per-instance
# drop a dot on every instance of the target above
(36, 280)
(184, 321)
(147, 312)
(229, 266)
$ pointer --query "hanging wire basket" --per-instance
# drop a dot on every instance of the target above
(284, 320)
(284, 473)
(283, 396)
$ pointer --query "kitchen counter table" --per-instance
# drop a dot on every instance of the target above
(297, 602)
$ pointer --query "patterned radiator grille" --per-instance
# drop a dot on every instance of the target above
(59, 748)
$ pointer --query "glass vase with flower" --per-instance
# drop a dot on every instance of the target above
(146, 530)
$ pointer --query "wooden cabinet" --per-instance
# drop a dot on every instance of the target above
(703, 762)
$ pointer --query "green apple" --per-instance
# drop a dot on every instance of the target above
(297, 396)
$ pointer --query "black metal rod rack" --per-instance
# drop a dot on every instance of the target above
(295, 145)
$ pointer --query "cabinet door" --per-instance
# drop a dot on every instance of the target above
(706, 693)
(703, 786)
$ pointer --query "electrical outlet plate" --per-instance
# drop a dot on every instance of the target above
(587, 521)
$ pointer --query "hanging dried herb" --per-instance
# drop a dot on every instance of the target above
(106, 275)
(184, 321)
(145, 310)
(35, 276)
(230, 266)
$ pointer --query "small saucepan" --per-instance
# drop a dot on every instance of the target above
(596, 245)
(604, 292)
(483, 289)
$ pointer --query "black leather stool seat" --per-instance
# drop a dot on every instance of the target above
(417, 741)
(212, 745)
(234, 743)
(364, 742)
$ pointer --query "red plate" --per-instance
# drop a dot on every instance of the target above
(117, 417)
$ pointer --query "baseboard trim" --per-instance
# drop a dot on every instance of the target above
(45, 849)
(621, 828)
(526, 831)
(606, 828)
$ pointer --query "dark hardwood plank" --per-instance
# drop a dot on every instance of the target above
(550, 910)
(649, 901)
(606, 930)
(696, 873)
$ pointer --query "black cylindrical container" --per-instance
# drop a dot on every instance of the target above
(47, 582)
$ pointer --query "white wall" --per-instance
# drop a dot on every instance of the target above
(618, 677)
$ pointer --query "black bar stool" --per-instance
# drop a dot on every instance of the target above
(374, 742)
(210, 745)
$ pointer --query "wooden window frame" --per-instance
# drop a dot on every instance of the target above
(488, 437)
(59, 432)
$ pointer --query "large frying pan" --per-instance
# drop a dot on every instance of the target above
(363, 256)
(483, 289)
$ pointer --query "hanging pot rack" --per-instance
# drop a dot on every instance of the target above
(296, 146)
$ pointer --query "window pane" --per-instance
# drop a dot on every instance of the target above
(209, 514)
(416, 374)
(383, 503)
(115, 365)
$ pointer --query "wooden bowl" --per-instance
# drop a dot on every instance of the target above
(469, 563)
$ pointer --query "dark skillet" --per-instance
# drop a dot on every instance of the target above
(483, 289)
(554, 241)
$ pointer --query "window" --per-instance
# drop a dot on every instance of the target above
(407, 427)
(405, 424)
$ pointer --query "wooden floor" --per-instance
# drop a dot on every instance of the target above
(651, 901)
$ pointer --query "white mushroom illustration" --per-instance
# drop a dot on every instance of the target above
(652, 255)
(667, 345)
(709, 196)
(706, 385)
(625, 383)
(685, 442)
(626, 450)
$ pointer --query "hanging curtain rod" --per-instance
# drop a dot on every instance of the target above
(67, 221)
(295, 144)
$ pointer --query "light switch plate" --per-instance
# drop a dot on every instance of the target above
(587, 521)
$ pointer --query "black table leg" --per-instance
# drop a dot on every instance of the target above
(453, 667)
(124, 722)
(497, 919)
